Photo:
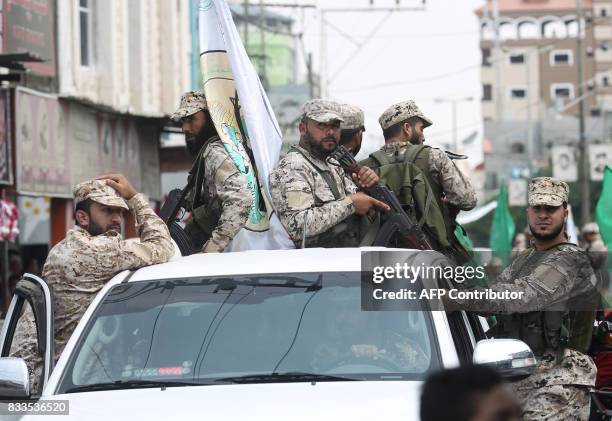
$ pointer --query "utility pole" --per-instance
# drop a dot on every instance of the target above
(323, 53)
(262, 32)
(246, 26)
(453, 102)
(310, 76)
(529, 147)
(497, 56)
(585, 196)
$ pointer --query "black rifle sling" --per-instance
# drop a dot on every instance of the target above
(196, 175)
(326, 175)
(410, 157)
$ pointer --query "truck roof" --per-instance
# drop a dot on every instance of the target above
(258, 261)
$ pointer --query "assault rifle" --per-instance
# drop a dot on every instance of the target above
(168, 212)
(396, 220)
(172, 205)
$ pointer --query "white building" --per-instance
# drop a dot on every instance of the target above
(132, 56)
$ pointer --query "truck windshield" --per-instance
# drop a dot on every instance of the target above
(213, 330)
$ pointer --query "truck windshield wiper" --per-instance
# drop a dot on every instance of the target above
(130, 384)
(292, 376)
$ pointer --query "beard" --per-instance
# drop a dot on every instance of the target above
(96, 229)
(545, 237)
(317, 149)
(416, 138)
(203, 135)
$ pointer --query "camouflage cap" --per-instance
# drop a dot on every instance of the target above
(400, 112)
(547, 191)
(191, 103)
(322, 110)
(99, 192)
(352, 116)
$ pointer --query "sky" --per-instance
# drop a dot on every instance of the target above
(378, 58)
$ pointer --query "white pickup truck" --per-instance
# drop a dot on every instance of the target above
(258, 335)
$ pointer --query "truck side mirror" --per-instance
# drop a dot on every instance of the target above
(512, 358)
(14, 379)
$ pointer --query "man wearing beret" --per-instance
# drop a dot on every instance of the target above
(555, 314)
(351, 128)
(221, 199)
(314, 198)
(403, 124)
(91, 254)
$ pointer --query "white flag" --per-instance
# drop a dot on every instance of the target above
(220, 44)
(570, 226)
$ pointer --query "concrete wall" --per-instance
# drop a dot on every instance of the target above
(140, 56)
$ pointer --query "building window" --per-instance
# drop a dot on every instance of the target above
(487, 30)
(486, 57)
(561, 58)
(572, 28)
(85, 30)
(491, 181)
(517, 148)
(487, 92)
(554, 29)
(528, 30)
(603, 12)
(507, 30)
(518, 92)
(562, 91)
(518, 58)
(605, 81)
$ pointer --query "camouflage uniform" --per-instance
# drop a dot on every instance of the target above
(225, 192)
(554, 282)
(78, 267)
(300, 194)
(598, 254)
(457, 188)
(352, 117)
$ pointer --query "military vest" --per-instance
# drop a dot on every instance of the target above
(344, 234)
(547, 332)
(205, 213)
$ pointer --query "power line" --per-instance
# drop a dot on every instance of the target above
(409, 36)
(541, 50)
(352, 56)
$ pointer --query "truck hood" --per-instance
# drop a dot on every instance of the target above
(358, 400)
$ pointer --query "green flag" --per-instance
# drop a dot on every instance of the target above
(463, 238)
(502, 227)
(603, 210)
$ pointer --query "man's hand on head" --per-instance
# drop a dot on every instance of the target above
(119, 183)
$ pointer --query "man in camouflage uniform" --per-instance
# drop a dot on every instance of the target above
(92, 253)
(598, 253)
(555, 315)
(351, 128)
(220, 200)
(311, 193)
(403, 124)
